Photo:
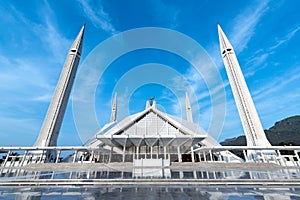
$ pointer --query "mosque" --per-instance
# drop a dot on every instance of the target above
(152, 134)
(150, 150)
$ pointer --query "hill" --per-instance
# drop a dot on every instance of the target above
(284, 132)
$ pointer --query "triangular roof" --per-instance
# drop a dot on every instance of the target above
(164, 129)
(162, 125)
(159, 123)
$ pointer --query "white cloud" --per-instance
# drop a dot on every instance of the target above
(284, 39)
(242, 30)
(22, 71)
(244, 25)
(46, 32)
(277, 83)
(256, 63)
(43, 98)
(175, 105)
(98, 16)
(25, 129)
(259, 60)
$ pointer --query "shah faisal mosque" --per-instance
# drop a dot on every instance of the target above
(152, 134)
(151, 148)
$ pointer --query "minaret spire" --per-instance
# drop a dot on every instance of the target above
(113, 116)
(251, 124)
(189, 114)
(53, 120)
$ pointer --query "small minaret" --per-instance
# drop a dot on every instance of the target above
(114, 109)
(189, 114)
(251, 124)
(53, 120)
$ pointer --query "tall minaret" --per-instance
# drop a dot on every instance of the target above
(53, 120)
(189, 114)
(252, 126)
(113, 116)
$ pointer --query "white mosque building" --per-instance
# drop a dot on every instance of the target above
(152, 134)
(150, 149)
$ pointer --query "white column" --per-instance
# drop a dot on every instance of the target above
(110, 154)
(92, 156)
(211, 156)
(179, 154)
(137, 152)
(192, 154)
(195, 174)
(169, 154)
(124, 150)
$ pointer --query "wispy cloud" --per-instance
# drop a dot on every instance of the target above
(258, 61)
(98, 16)
(175, 105)
(277, 83)
(242, 30)
(46, 31)
(24, 78)
(11, 127)
(31, 72)
(44, 97)
(28, 73)
(284, 39)
(244, 25)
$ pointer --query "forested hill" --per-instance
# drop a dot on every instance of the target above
(284, 132)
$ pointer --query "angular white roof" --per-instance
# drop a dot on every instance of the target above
(152, 125)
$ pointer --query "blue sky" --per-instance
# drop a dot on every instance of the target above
(36, 35)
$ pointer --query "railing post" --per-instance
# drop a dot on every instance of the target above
(42, 156)
(58, 155)
(75, 155)
(23, 159)
(281, 158)
(245, 155)
(6, 159)
(297, 156)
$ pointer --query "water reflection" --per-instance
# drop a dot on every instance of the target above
(156, 173)
(156, 192)
(191, 183)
